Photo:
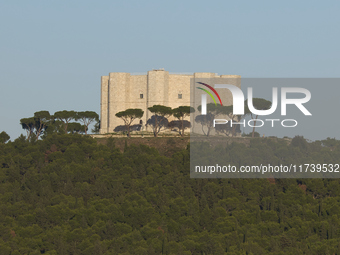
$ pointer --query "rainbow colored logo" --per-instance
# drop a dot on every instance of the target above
(209, 93)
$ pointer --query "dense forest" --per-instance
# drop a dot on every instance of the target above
(68, 194)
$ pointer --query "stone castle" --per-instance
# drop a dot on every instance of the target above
(121, 91)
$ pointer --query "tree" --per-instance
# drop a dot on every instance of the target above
(4, 137)
(178, 124)
(225, 129)
(159, 111)
(215, 110)
(182, 112)
(36, 125)
(75, 127)
(205, 120)
(259, 104)
(96, 127)
(54, 126)
(128, 116)
(65, 117)
(42, 120)
(162, 122)
(228, 110)
(87, 118)
(28, 124)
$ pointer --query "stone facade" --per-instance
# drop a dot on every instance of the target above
(121, 91)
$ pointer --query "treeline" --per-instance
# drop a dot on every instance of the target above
(159, 120)
(43, 123)
(227, 113)
(66, 194)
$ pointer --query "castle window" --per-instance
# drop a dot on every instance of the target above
(141, 96)
(179, 96)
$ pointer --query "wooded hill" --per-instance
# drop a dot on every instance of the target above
(67, 194)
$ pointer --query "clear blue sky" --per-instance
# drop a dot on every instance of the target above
(52, 53)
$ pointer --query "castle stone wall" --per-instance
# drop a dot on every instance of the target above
(121, 91)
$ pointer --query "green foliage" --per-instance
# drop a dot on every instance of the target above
(75, 127)
(180, 113)
(87, 118)
(128, 116)
(4, 137)
(160, 112)
(44, 124)
(65, 117)
(96, 127)
(37, 125)
(29, 125)
(217, 111)
(256, 134)
(300, 142)
(259, 104)
(67, 194)
(42, 120)
(205, 121)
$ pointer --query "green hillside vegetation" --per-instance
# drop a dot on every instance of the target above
(68, 194)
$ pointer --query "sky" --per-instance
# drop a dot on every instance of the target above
(53, 53)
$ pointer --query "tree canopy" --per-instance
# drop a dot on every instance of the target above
(180, 113)
(29, 125)
(87, 118)
(42, 120)
(159, 111)
(205, 121)
(213, 111)
(43, 124)
(4, 137)
(128, 116)
(69, 194)
(37, 125)
(259, 104)
(65, 116)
